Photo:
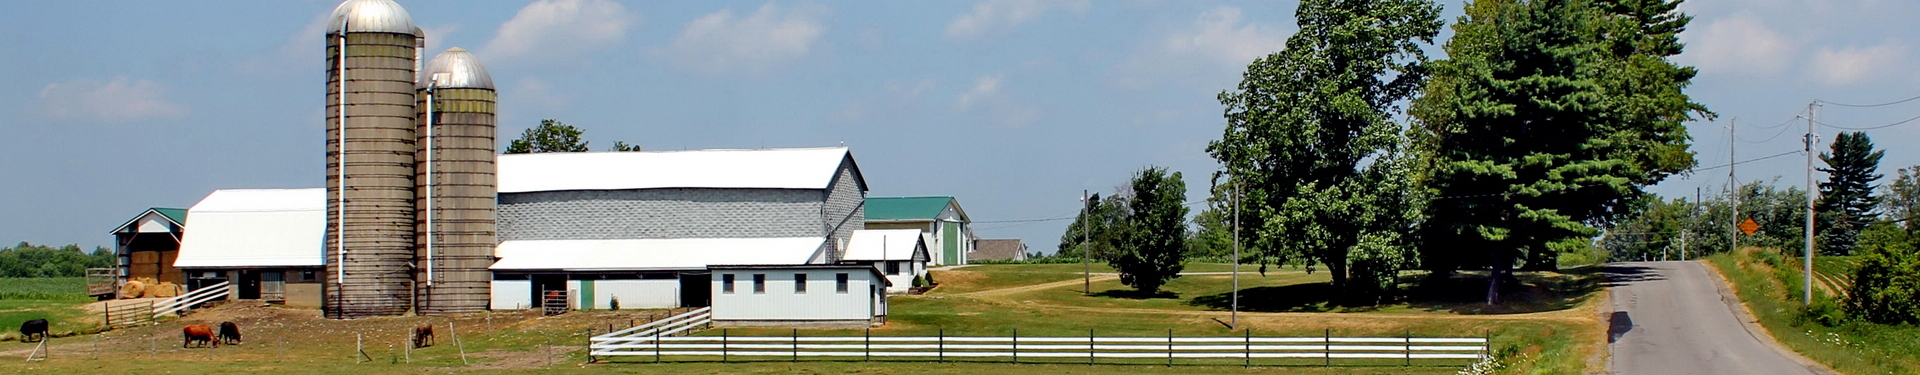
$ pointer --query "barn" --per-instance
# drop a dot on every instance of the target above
(145, 248)
(950, 232)
(644, 227)
(266, 243)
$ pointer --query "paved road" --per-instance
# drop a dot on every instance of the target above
(1670, 318)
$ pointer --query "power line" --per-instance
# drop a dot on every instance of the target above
(1902, 122)
(1747, 161)
(1783, 130)
(1796, 118)
(1869, 105)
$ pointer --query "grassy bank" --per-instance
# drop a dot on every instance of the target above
(1770, 285)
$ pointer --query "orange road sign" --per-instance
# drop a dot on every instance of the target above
(1748, 226)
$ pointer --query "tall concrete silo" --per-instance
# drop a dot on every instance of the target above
(456, 185)
(372, 56)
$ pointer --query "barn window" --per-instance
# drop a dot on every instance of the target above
(759, 283)
(893, 268)
(726, 283)
(840, 283)
(799, 283)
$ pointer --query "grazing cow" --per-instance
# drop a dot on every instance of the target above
(423, 336)
(199, 333)
(229, 333)
(33, 329)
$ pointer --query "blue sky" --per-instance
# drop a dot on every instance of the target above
(1014, 106)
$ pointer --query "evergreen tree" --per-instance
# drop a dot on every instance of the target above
(1151, 244)
(551, 136)
(1312, 134)
(1548, 119)
(1847, 202)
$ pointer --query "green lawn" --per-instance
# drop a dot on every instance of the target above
(292, 340)
(43, 288)
(1769, 286)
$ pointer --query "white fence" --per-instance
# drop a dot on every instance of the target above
(187, 301)
(656, 340)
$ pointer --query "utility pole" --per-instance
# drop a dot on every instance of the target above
(1733, 191)
(1683, 244)
(1235, 323)
(1806, 297)
(1086, 247)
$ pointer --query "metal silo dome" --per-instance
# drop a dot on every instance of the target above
(456, 68)
(371, 16)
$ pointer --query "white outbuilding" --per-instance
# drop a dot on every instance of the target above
(799, 295)
(900, 254)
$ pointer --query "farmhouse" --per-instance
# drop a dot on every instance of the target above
(266, 243)
(643, 227)
(939, 217)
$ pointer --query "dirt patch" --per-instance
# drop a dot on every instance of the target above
(958, 279)
(517, 360)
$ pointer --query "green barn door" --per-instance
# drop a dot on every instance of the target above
(952, 239)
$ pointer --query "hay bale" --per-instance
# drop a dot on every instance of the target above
(133, 289)
(164, 290)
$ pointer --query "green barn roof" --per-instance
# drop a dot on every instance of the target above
(906, 208)
(178, 215)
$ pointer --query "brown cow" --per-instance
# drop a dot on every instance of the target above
(197, 333)
(423, 336)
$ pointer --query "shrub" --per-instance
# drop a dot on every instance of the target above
(614, 304)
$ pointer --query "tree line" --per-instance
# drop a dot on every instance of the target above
(29, 260)
(1351, 150)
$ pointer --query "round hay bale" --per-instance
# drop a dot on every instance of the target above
(164, 290)
(133, 289)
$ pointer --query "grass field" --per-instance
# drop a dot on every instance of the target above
(57, 299)
(983, 300)
(1770, 287)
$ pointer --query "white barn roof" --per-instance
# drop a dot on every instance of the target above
(885, 244)
(788, 168)
(651, 254)
(248, 228)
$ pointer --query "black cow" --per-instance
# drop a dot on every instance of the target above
(33, 329)
(229, 333)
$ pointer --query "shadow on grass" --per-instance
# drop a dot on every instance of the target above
(1135, 294)
(1461, 293)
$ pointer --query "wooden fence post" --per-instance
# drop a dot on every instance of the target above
(1169, 347)
(1249, 337)
(943, 345)
(457, 343)
(1409, 348)
(1328, 347)
(1090, 347)
(723, 346)
(796, 345)
(869, 342)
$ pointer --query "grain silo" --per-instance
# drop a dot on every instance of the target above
(372, 56)
(456, 185)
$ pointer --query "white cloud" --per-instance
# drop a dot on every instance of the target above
(302, 52)
(1854, 64)
(987, 98)
(997, 16)
(906, 90)
(1210, 52)
(559, 30)
(984, 87)
(119, 100)
(1739, 44)
(722, 41)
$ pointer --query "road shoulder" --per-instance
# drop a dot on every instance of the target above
(1753, 326)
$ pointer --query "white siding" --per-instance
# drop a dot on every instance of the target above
(637, 294)
(821, 301)
(512, 294)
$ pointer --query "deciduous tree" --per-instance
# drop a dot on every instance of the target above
(1151, 241)
(551, 136)
(1311, 131)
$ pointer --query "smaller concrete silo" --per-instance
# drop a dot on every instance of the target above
(456, 185)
